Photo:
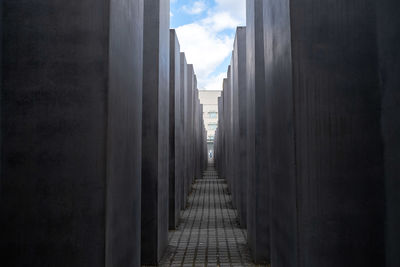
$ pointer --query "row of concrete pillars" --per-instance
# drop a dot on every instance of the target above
(101, 132)
(309, 132)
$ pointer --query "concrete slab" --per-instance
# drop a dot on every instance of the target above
(189, 127)
(175, 133)
(240, 100)
(389, 68)
(155, 153)
(280, 133)
(184, 88)
(258, 183)
(339, 163)
(71, 113)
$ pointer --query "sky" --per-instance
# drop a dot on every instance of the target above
(206, 31)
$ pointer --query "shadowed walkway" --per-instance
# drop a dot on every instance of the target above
(208, 234)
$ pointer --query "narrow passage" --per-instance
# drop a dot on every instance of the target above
(208, 234)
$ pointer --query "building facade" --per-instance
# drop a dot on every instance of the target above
(209, 99)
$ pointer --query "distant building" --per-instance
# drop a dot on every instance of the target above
(209, 99)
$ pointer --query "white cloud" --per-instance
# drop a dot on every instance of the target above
(214, 82)
(220, 21)
(197, 8)
(208, 42)
(204, 49)
(236, 9)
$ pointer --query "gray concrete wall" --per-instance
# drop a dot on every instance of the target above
(70, 101)
(155, 174)
(258, 183)
(225, 115)
(229, 130)
(193, 126)
(184, 106)
(339, 163)
(175, 133)
(235, 133)
(322, 123)
(124, 133)
(189, 128)
(389, 69)
(280, 133)
(197, 136)
(241, 117)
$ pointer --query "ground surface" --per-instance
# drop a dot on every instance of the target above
(209, 233)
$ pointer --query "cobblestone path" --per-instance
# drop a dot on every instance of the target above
(208, 234)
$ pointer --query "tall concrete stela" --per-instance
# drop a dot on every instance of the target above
(105, 139)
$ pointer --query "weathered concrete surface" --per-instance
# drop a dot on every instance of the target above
(175, 133)
(155, 175)
(280, 133)
(258, 183)
(184, 107)
(389, 69)
(339, 162)
(70, 107)
(239, 74)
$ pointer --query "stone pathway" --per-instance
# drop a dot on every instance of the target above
(208, 234)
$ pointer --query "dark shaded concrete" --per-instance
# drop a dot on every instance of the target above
(175, 133)
(189, 127)
(231, 135)
(223, 117)
(155, 175)
(124, 133)
(193, 129)
(258, 182)
(239, 82)
(71, 113)
(280, 133)
(389, 69)
(230, 172)
(184, 107)
(198, 141)
(338, 149)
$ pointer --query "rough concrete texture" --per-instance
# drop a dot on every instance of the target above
(258, 180)
(71, 114)
(184, 87)
(239, 88)
(175, 133)
(389, 69)
(339, 162)
(155, 175)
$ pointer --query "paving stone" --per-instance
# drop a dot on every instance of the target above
(209, 233)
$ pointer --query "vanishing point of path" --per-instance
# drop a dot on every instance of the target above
(208, 233)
